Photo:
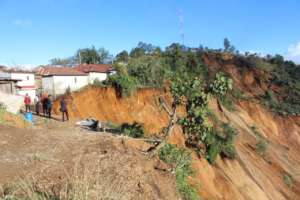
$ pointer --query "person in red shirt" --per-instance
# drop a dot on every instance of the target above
(27, 102)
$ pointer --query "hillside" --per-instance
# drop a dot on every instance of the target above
(266, 165)
(250, 176)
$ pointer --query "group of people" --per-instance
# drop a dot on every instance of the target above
(44, 103)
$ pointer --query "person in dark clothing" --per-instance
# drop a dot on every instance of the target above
(37, 103)
(44, 107)
(48, 104)
(64, 109)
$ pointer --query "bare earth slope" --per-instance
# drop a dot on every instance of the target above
(250, 176)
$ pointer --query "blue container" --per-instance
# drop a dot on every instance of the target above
(28, 116)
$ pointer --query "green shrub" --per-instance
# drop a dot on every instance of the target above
(288, 180)
(221, 85)
(261, 147)
(98, 83)
(182, 161)
(222, 143)
(124, 84)
(134, 130)
(213, 150)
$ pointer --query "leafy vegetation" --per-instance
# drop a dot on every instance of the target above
(199, 132)
(182, 161)
(124, 84)
(134, 130)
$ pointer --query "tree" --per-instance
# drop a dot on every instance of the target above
(93, 56)
(147, 47)
(227, 46)
(137, 52)
(88, 56)
(122, 57)
(105, 56)
(61, 61)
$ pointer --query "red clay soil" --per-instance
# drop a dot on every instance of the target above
(104, 105)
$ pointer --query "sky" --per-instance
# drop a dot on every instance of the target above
(34, 31)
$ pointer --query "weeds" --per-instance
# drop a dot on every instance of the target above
(288, 180)
(135, 130)
(227, 102)
(182, 161)
(261, 146)
(82, 184)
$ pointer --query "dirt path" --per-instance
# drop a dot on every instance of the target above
(52, 151)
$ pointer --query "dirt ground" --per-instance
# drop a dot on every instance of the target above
(51, 152)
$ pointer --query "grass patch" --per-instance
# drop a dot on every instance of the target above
(182, 161)
(2, 111)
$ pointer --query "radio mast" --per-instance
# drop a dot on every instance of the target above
(181, 26)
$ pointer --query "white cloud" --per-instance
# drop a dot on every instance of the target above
(20, 66)
(294, 53)
(23, 23)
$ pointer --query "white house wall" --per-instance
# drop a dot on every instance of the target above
(95, 75)
(47, 84)
(62, 83)
(27, 79)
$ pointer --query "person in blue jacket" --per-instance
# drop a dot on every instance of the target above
(48, 104)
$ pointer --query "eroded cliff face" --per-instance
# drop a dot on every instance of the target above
(250, 176)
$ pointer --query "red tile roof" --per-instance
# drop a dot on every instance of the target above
(59, 71)
(101, 68)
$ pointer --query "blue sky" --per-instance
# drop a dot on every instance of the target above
(34, 31)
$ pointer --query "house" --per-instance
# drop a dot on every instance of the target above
(98, 72)
(7, 85)
(26, 82)
(57, 80)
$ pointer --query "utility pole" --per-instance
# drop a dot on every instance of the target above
(79, 57)
(181, 27)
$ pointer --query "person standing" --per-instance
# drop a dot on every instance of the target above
(37, 103)
(43, 101)
(64, 109)
(27, 102)
(48, 104)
